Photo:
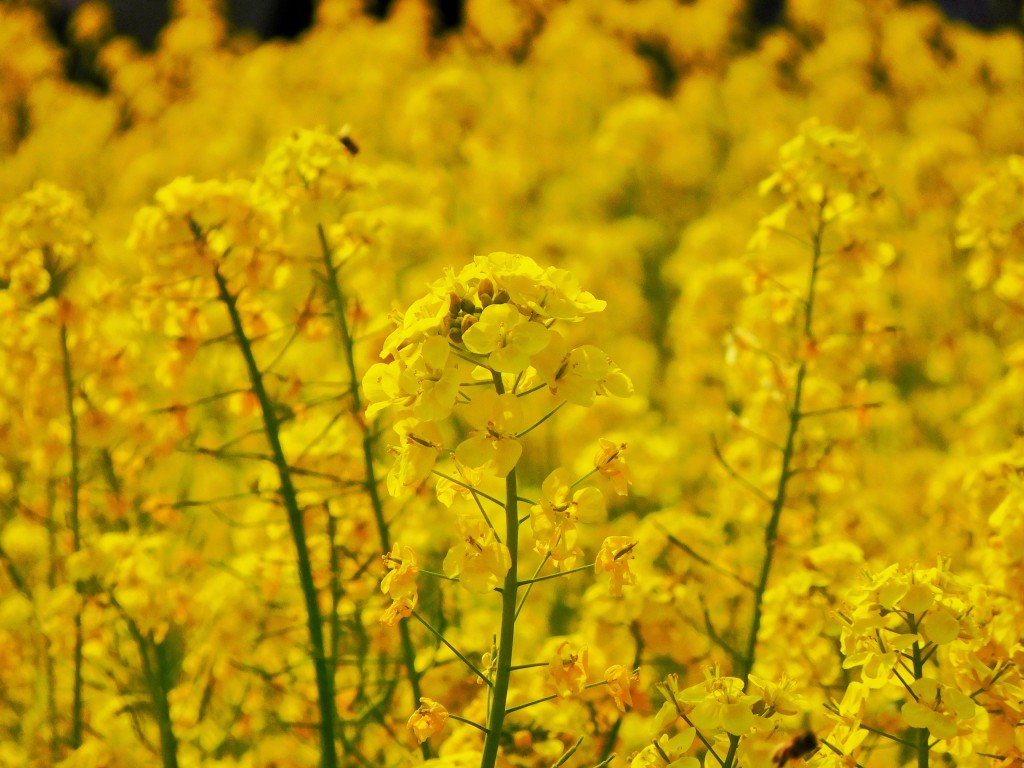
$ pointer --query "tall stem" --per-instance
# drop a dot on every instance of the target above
(155, 673)
(506, 635)
(51, 582)
(337, 298)
(314, 619)
(771, 532)
(74, 481)
(922, 734)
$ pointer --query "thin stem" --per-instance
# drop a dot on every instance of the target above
(542, 699)
(568, 753)
(467, 721)
(707, 744)
(529, 588)
(461, 656)
(475, 491)
(51, 582)
(589, 474)
(677, 542)
(785, 472)
(437, 575)
(507, 633)
(557, 575)
(337, 298)
(74, 481)
(540, 421)
(922, 733)
(289, 496)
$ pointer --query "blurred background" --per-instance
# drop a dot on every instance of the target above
(143, 19)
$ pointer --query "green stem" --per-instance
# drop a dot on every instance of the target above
(551, 697)
(51, 582)
(557, 575)
(540, 421)
(154, 671)
(922, 733)
(785, 473)
(289, 496)
(506, 635)
(734, 742)
(337, 298)
(459, 654)
(74, 480)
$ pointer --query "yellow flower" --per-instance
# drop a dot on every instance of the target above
(479, 560)
(613, 558)
(611, 463)
(492, 445)
(943, 710)
(420, 444)
(400, 579)
(400, 608)
(554, 519)
(428, 720)
(719, 703)
(619, 681)
(505, 338)
(386, 384)
(777, 697)
(568, 669)
(581, 374)
(424, 379)
(673, 748)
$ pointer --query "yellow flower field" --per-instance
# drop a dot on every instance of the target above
(604, 383)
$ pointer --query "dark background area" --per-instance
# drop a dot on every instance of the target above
(143, 19)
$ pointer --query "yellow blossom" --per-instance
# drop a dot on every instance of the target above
(620, 680)
(428, 720)
(614, 558)
(568, 669)
(479, 560)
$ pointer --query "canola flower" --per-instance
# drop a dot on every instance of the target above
(282, 463)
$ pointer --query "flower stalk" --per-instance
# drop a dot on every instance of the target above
(337, 299)
(289, 497)
(506, 634)
(74, 483)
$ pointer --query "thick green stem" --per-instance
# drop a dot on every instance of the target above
(337, 298)
(74, 481)
(314, 619)
(506, 635)
(155, 673)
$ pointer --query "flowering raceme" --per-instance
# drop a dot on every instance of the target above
(491, 323)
